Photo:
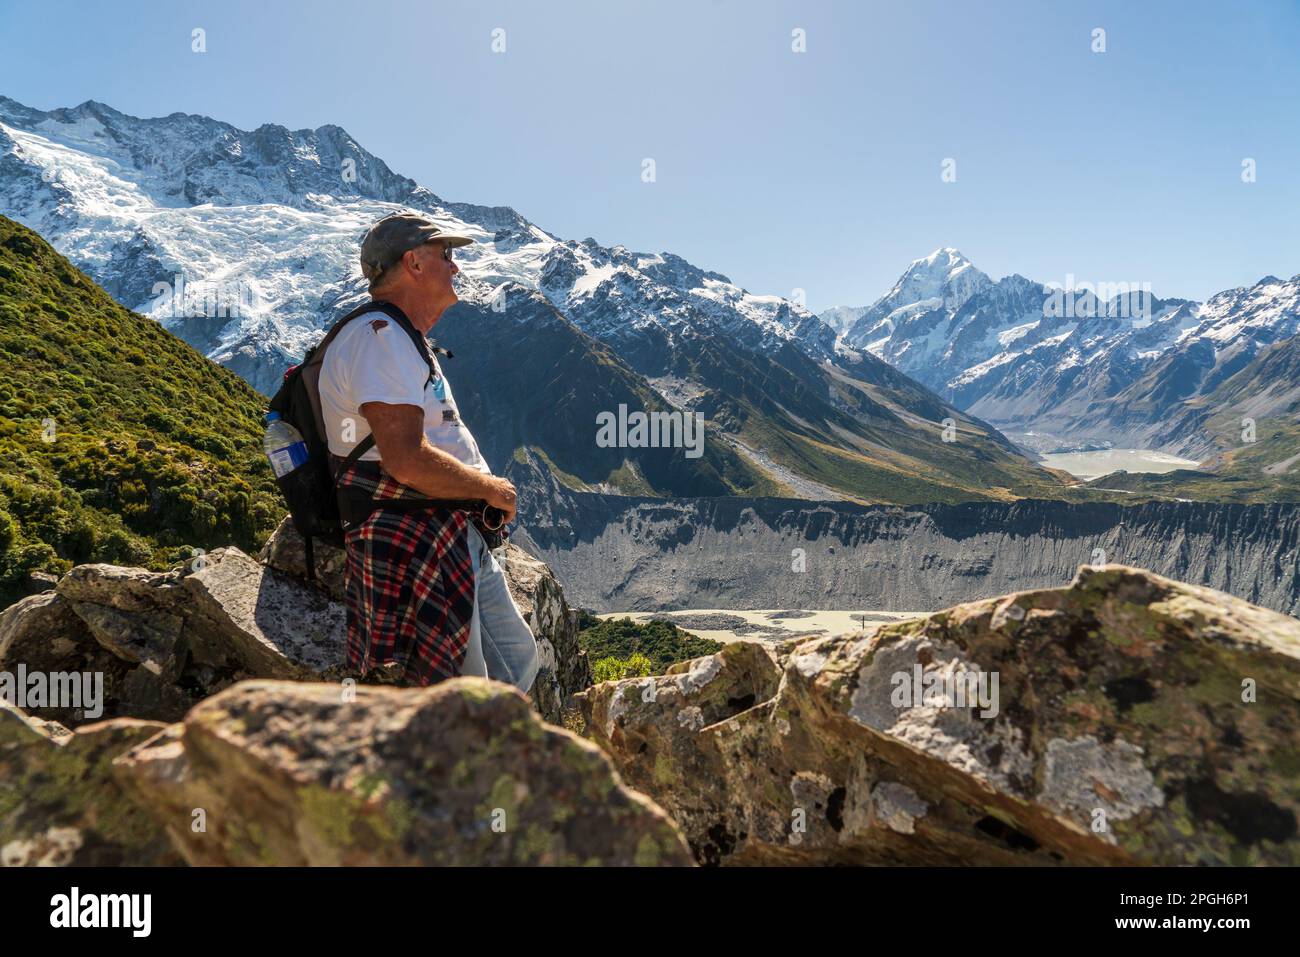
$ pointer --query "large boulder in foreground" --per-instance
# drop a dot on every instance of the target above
(1134, 720)
(564, 668)
(274, 772)
(59, 801)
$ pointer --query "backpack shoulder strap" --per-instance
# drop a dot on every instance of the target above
(334, 330)
(308, 371)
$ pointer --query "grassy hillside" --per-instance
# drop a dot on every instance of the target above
(120, 442)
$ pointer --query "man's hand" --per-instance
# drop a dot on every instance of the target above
(502, 496)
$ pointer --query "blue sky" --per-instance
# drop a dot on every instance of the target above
(783, 170)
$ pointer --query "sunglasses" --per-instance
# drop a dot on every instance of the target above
(446, 251)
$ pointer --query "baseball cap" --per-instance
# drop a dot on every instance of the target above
(393, 235)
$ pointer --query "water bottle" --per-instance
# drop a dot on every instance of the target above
(283, 445)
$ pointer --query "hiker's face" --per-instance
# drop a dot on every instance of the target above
(432, 272)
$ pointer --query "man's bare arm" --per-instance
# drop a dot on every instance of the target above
(409, 457)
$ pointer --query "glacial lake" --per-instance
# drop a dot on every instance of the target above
(1089, 465)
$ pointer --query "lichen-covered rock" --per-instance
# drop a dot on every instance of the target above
(564, 668)
(1125, 719)
(60, 803)
(240, 613)
(284, 551)
(163, 641)
(272, 772)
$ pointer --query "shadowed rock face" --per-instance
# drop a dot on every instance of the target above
(460, 773)
(616, 553)
(1125, 719)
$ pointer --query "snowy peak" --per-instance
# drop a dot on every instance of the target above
(942, 264)
(279, 212)
(1090, 360)
(189, 160)
(619, 295)
(945, 275)
(913, 311)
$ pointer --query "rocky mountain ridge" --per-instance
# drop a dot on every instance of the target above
(784, 553)
(1069, 362)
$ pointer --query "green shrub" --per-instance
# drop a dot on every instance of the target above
(622, 640)
(612, 669)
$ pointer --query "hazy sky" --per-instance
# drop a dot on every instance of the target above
(818, 170)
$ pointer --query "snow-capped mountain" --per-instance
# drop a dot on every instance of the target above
(1072, 362)
(262, 227)
(278, 213)
(245, 244)
(905, 318)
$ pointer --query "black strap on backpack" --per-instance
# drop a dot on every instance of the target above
(311, 490)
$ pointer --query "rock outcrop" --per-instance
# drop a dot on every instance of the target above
(60, 803)
(564, 668)
(272, 772)
(1127, 719)
(164, 641)
(281, 770)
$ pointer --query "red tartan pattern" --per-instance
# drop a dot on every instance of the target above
(409, 582)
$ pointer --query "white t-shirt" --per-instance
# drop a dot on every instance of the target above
(372, 359)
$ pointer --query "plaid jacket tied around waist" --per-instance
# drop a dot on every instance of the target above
(409, 582)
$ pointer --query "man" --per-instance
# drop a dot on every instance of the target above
(407, 571)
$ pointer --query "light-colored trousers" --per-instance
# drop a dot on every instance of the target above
(501, 645)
